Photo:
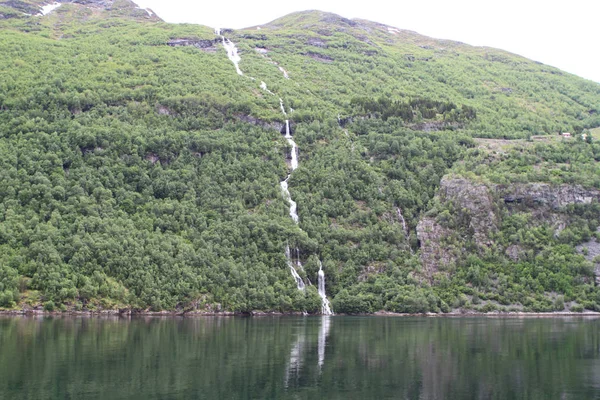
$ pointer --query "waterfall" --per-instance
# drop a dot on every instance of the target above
(282, 107)
(291, 142)
(325, 305)
(297, 278)
(287, 196)
(401, 218)
(404, 227)
(264, 87)
(232, 51)
(285, 74)
(47, 9)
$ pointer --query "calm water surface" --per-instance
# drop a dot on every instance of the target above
(299, 358)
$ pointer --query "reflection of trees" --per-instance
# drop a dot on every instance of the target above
(333, 358)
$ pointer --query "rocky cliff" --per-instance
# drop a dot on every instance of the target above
(477, 214)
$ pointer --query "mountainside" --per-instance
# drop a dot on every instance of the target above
(147, 165)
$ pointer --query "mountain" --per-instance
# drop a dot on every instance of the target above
(155, 166)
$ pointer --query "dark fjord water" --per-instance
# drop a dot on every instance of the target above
(299, 358)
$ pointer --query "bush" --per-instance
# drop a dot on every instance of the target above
(8, 299)
(577, 308)
(49, 306)
(590, 305)
(345, 303)
(489, 307)
(444, 307)
(559, 303)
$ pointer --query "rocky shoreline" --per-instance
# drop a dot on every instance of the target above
(146, 313)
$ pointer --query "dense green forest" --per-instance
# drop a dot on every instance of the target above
(140, 171)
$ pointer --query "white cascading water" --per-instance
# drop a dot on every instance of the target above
(290, 140)
(285, 74)
(293, 206)
(287, 196)
(232, 51)
(299, 282)
(293, 165)
(325, 305)
(47, 9)
(232, 54)
(264, 87)
(404, 228)
(282, 107)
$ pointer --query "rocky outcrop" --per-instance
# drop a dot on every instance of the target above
(21, 6)
(317, 42)
(279, 126)
(591, 252)
(202, 44)
(545, 194)
(475, 205)
(320, 57)
(435, 249)
(477, 216)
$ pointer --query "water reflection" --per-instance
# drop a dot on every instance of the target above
(294, 365)
(323, 333)
(288, 358)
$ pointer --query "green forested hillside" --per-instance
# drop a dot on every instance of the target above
(139, 170)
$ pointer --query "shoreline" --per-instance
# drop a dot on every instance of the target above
(200, 314)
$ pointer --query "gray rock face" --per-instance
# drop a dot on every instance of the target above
(476, 203)
(545, 194)
(206, 45)
(478, 209)
(317, 42)
(435, 253)
(97, 3)
(592, 251)
(20, 6)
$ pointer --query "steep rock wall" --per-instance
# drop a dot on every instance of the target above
(478, 209)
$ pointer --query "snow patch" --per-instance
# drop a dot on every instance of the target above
(395, 31)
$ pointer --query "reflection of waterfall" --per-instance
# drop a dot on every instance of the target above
(323, 333)
(325, 305)
(232, 51)
(295, 364)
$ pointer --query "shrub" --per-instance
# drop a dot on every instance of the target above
(49, 306)
(577, 308)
